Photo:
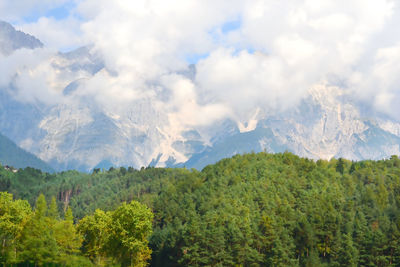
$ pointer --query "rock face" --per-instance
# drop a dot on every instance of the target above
(326, 124)
(79, 134)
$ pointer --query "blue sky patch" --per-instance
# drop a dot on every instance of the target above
(61, 12)
(231, 26)
(194, 58)
(58, 13)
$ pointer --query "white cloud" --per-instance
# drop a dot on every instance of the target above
(31, 75)
(62, 34)
(312, 41)
(245, 81)
(183, 107)
(143, 42)
(379, 84)
(279, 50)
(152, 37)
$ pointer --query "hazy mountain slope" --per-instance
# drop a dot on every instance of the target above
(12, 155)
(79, 133)
(254, 141)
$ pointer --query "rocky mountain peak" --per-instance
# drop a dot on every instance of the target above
(12, 39)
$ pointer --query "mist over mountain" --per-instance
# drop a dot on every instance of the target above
(86, 120)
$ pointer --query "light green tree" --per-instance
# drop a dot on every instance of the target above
(131, 226)
(13, 215)
(68, 239)
(119, 236)
(38, 243)
(95, 230)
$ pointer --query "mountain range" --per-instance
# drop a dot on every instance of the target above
(78, 133)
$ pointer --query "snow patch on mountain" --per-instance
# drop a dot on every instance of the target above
(251, 124)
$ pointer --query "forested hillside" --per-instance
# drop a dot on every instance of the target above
(250, 210)
(11, 154)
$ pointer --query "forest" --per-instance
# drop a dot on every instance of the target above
(256, 209)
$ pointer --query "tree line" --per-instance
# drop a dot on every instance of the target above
(250, 210)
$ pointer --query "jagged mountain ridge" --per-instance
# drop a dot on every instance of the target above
(11, 39)
(80, 134)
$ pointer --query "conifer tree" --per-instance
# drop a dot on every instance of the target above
(68, 239)
(38, 243)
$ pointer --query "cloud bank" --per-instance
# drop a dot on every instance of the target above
(254, 53)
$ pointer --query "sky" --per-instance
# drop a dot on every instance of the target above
(248, 54)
